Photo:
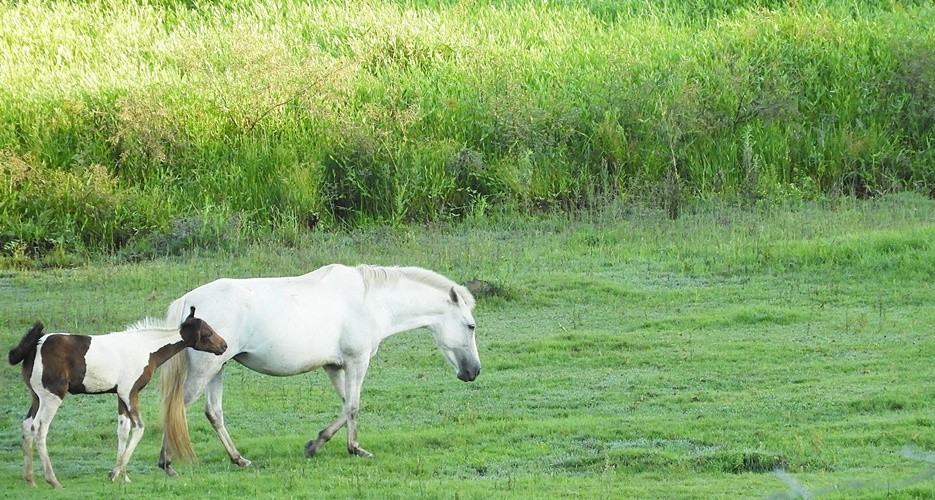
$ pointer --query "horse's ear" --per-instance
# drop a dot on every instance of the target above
(454, 295)
(192, 315)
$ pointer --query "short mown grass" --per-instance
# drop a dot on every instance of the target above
(730, 353)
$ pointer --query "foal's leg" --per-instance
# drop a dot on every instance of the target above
(123, 435)
(215, 413)
(336, 373)
(47, 409)
(129, 424)
(29, 438)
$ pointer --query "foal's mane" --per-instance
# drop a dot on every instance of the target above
(377, 275)
(150, 324)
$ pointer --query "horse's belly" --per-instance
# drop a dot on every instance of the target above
(281, 363)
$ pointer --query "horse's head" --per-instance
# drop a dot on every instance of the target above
(203, 338)
(455, 337)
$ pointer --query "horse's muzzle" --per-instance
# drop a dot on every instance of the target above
(469, 374)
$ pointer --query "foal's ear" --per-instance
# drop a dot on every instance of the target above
(454, 295)
(192, 315)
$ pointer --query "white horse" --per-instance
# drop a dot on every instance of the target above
(57, 364)
(334, 317)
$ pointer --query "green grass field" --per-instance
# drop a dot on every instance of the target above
(625, 355)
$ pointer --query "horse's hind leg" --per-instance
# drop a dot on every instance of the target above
(215, 413)
(47, 409)
(29, 439)
(193, 385)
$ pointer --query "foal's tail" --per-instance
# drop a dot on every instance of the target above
(29, 342)
(174, 421)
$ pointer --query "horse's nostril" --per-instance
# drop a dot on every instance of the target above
(468, 375)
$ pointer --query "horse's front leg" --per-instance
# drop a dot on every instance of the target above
(123, 438)
(336, 373)
(354, 381)
(130, 432)
(215, 413)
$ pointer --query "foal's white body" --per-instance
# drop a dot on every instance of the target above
(121, 363)
(334, 317)
(114, 361)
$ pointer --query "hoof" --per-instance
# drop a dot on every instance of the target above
(167, 466)
(360, 452)
(241, 462)
(55, 484)
(311, 448)
(30, 482)
(114, 474)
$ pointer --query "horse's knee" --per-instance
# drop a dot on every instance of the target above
(215, 418)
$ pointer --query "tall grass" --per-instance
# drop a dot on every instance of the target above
(288, 114)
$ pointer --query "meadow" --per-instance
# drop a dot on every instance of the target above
(705, 232)
(733, 352)
(145, 125)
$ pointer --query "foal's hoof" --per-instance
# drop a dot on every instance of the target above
(114, 474)
(241, 462)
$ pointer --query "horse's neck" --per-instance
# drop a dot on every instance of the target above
(410, 306)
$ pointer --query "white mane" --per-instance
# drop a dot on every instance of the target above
(376, 275)
(150, 324)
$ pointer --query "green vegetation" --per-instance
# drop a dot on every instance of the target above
(625, 355)
(147, 127)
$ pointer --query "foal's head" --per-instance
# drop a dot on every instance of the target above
(200, 336)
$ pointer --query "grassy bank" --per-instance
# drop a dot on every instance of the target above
(625, 355)
(146, 125)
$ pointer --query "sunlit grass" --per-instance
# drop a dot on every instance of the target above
(265, 116)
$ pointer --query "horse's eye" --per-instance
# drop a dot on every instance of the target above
(471, 327)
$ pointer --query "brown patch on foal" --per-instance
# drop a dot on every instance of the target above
(63, 364)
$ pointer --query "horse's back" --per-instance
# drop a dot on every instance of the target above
(281, 325)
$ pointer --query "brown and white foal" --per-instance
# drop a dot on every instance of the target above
(121, 363)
